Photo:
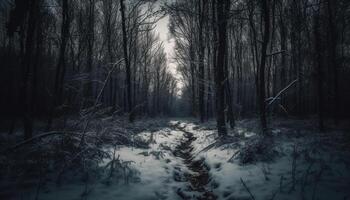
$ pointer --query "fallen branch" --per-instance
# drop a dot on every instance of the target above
(39, 137)
(280, 92)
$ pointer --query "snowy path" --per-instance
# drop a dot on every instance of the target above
(175, 167)
(168, 169)
(198, 177)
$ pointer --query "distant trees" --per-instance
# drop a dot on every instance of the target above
(237, 59)
(74, 54)
(279, 57)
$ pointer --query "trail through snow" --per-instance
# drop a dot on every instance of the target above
(176, 167)
(198, 177)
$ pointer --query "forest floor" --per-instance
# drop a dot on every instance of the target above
(183, 159)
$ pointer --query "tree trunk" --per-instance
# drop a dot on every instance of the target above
(331, 5)
(221, 22)
(26, 86)
(61, 65)
(127, 64)
(228, 92)
(261, 71)
(201, 7)
(193, 80)
(319, 68)
(283, 46)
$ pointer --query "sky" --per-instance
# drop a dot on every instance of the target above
(169, 44)
(162, 30)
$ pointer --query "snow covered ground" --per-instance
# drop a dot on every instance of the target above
(186, 161)
(304, 166)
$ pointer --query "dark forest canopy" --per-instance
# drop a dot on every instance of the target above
(236, 59)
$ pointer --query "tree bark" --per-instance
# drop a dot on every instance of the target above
(127, 64)
(201, 7)
(27, 82)
(319, 68)
(61, 65)
(261, 71)
(90, 53)
(220, 64)
(333, 64)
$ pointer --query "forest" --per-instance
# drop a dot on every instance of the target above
(175, 99)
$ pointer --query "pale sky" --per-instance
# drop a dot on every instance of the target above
(169, 45)
(163, 31)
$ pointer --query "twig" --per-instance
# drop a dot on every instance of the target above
(106, 80)
(112, 163)
(208, 147)
(40, 181)
(265, 169)
(283, 108)
(248, 190)
(274, 195)
(233, 156)
(294, 163)
(281, 183)
(317, 180)
(275, 53)
(58, 180)
(304, 180)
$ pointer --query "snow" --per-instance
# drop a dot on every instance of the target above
(154, 168)
(321, 165)
(264, 178)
